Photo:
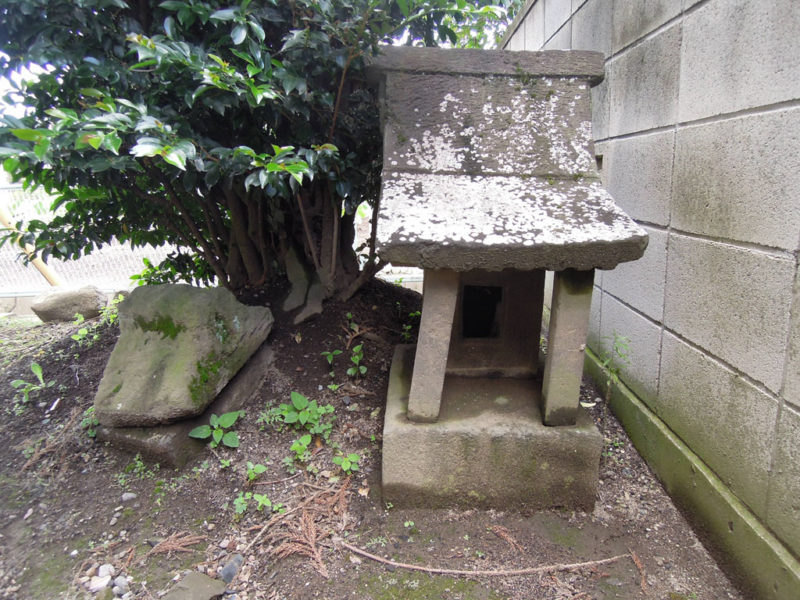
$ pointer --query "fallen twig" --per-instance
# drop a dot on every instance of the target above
(177, 542)
(129, 559)
(482, 572)
(505, 534)
(640, 566)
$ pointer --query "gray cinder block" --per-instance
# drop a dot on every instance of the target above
(738, 179)
(739, 54)
(638, 173)
(633, 19)
(643, 84)
(723, 418)
(783, 512)
(731, 301)
(641, 283)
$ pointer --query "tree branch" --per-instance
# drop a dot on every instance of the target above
(483, 572)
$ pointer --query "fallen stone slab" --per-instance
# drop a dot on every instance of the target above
(62, 304)
(178, 348)
(196, 586)
(170, 445)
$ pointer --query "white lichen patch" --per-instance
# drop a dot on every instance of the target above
(500, 125)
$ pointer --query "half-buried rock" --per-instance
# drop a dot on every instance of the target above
(178, 347)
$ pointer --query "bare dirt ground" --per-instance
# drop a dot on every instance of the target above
(70, 504)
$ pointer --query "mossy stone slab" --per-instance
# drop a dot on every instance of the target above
(178, 348)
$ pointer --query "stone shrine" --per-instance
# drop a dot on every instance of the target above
(489, 181)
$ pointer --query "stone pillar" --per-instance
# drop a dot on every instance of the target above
(569, 324)
(439, 296)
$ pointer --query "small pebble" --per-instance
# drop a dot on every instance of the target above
(127, 496)
(73, 554)
(228, 572)
(224, 543)
(106, 570)
(97, 584)
(121, 582)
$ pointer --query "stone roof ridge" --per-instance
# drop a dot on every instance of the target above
(581, 64)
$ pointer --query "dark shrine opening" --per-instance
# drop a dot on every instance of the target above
(481, 311)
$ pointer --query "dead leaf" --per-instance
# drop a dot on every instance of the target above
(364, 491)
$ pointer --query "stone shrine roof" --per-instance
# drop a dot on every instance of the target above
(489, 163)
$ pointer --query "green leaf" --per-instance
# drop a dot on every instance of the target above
(92, 92)
(226, 14)
(239, 34)
(227, 420)
(113, 142)
(231, 439)
(147, 146)
(176, 158)
(143, 64)
(299, 401)
(94, 140)
(214, 420)
(216, 436)
(28, 135)
(202, 432)
(37, 370)
(403, 5)
(169, 27)
(41, 148)
(257, 30)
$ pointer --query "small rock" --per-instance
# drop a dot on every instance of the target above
(73, 554)
(196, 586)
(97, 583)
(117, 590)
(106, 570)
(91, 571)
(113, 521)
(127, 496)
(228, 572)
(224, 543)
(127, 596)
(121, 582)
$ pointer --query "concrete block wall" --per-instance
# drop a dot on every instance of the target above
(697, 129)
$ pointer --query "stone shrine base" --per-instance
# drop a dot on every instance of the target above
(489, 447)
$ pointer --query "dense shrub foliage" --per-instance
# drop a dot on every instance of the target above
(236, 132)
